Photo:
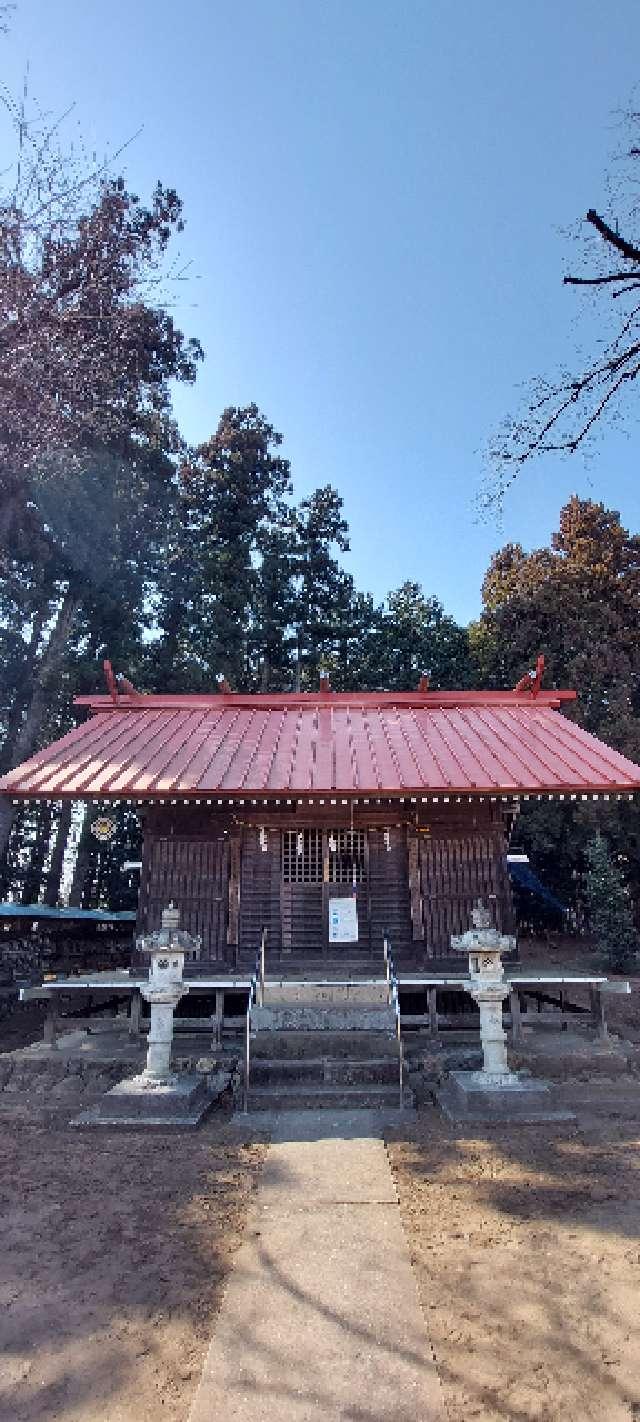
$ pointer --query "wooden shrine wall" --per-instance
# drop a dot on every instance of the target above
(389, 889)
(426, 866)
(259, 904)
(191, 870)
(450, 868)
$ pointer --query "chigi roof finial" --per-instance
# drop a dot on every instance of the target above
(533, 679)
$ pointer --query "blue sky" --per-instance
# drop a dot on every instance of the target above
(375, 194)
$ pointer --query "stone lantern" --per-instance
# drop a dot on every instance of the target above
(487, 986)
(158, 1096)
(495, 1092)
(164, 988)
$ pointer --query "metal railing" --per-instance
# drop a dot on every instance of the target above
(260, 964)
(256, 998)
(393, 999)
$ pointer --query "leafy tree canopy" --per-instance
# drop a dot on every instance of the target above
(578, 602)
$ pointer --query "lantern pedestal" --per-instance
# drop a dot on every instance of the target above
(467, 1096)
(158, 1096)
(495, 1093)
(179, 1102)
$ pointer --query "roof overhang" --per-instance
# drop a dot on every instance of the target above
(338, 747)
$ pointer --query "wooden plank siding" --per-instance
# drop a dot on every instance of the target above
(415, 887)
(454, 873)
(302, 918)
(388, 889)
(233, 915)
(194, 875)
(259, 891)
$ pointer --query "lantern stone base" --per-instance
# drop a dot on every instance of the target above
(141, 1102)
(475, 1096)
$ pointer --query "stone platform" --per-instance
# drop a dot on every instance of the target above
(181, 1101)
(467, 1096)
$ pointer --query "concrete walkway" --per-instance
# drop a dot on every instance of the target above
(321, 1320)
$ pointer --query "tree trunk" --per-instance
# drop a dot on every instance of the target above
(82, 865)
(22, 692)
(53, 885)
(32, 882)
(27, 738)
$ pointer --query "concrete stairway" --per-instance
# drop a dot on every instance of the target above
(324, 1044)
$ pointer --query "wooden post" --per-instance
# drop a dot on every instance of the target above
(134, 1013)
(235, 856)
(415, 890)
(516, 1019)
(51, 1022)
(433, 1011)
(597, 1012)
(247, 1053)
(563, 1011)
(216, 1037)
(263, 946)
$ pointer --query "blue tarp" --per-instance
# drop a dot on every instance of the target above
(524, 878)
(61, 915)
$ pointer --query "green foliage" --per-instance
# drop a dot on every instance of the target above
(610, 907)
(578, 602)
(411, 635)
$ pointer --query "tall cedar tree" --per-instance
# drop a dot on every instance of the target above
(230, 494)
(324, 592)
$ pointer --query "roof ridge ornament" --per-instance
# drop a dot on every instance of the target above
(112, 686)
(117, 685)
(532, 680)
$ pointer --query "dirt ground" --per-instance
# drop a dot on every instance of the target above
(526, 1246)
(113, 1259)
(525, 1242)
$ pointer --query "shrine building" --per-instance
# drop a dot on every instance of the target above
(328, 818)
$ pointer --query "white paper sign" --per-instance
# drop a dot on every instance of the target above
(343, 921)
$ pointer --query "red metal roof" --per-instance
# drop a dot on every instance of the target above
(152, 747)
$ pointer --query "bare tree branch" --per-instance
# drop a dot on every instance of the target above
(631, 252)
(560, 414)
(596, 281)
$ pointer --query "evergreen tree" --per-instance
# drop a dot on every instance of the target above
(229, 494)
(324, 591)
(610, 907)
(272, 636)
(578, 602)
(410, 635)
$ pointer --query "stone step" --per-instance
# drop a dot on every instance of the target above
(327, 1098)
(300, 972)
(317, 994)
(330, 1017)
(323, 1071)
(285, 1045)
